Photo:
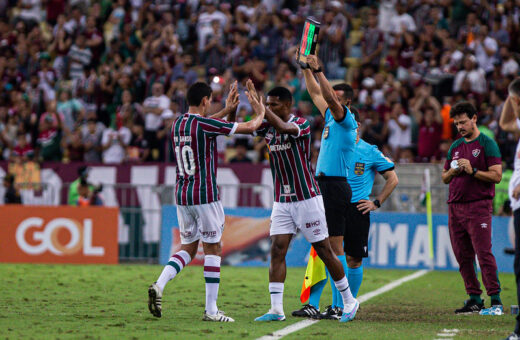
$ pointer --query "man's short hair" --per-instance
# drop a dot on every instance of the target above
(463, 108)
(514, 87)
(348, 92)
(282, 93)
(196, 92)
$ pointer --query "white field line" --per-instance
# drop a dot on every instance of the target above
(363, 298)
(446, 334)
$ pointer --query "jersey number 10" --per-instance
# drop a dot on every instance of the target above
(186, 163)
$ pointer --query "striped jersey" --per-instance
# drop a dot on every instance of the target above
(194, 141)
(289, 158)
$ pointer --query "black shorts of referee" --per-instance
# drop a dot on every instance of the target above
(336, 195)
(355, 242)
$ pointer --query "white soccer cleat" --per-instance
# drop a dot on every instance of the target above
(154, 300)
(219, 317)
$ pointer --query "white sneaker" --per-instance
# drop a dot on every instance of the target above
(219, 317)
(154, 300)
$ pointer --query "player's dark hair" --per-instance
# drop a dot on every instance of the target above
(196, 92)
(514, 87)
(463, 108)
(348, 92)
(282, 93)
(356, 114)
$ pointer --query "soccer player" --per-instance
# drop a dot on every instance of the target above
(510, 122)
(199, 210)
(337, 145)
(472, 168)
(298, 203)
(366, 161)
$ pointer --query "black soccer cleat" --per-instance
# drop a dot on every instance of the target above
(329, 314)
(470, 307)
(154, 300)
(306, 311)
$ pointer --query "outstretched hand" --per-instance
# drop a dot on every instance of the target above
(233, 100)
(256, 102)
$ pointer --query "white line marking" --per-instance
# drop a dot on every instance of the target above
(363, 298)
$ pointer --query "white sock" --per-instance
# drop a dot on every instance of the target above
(178, 261)
(212, 277)
(344, 289)
(276, 292)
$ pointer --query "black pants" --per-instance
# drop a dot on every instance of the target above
(516, 215)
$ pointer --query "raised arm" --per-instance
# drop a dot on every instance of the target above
(327, 92)
(259, 108)
(274, 120)
(232, 101)
(508, 116)
(314, 90)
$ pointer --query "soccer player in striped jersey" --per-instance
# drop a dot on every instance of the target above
(199, 211)
(298, 203)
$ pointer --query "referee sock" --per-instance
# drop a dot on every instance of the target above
(178, 261)
(316, 290)
(355, 277)
(339, 299)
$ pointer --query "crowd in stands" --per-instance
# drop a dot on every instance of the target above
(102, 81)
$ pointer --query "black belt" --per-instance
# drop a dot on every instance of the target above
(324, 178)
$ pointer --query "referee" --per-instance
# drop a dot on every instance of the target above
(338, 140)
(510, 122)
(367, 160)
(472, 169)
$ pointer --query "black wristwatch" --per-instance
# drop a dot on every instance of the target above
(318, 70)
(377, 203)
(474, 172)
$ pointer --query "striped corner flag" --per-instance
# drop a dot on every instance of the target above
(314, 273)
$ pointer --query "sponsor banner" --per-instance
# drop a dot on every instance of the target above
(396, 240)
(58, 234)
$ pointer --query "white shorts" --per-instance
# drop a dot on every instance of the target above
(204, 221)
(307, 216)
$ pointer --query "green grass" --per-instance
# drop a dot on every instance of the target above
(109, 302)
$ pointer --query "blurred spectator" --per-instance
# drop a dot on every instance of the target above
(138, 149)
(399, 130)
(49, 138)
(153, 107)
(91, 138)
(12, 195)
(114, 143)
(240, 152)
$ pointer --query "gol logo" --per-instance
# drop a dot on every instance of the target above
(80, 237)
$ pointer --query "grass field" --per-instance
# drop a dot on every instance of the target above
(110, 302)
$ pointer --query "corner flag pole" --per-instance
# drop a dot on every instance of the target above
(429, 214)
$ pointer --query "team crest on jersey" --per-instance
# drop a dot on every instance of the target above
(475, 152)
(359, 168)
(326, 132)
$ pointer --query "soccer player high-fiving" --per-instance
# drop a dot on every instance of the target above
(298, 203)
(199, 211)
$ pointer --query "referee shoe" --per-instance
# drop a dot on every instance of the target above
(307, 311)
(331, 313)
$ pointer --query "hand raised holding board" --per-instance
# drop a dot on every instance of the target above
(308, 41)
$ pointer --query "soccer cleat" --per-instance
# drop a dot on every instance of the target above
(306, 311)
(470, 307)
(219, 317)
(350, 315)
(154, 300)
(493, 310)
(271, 317)
(329, 314)
(513, 336)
